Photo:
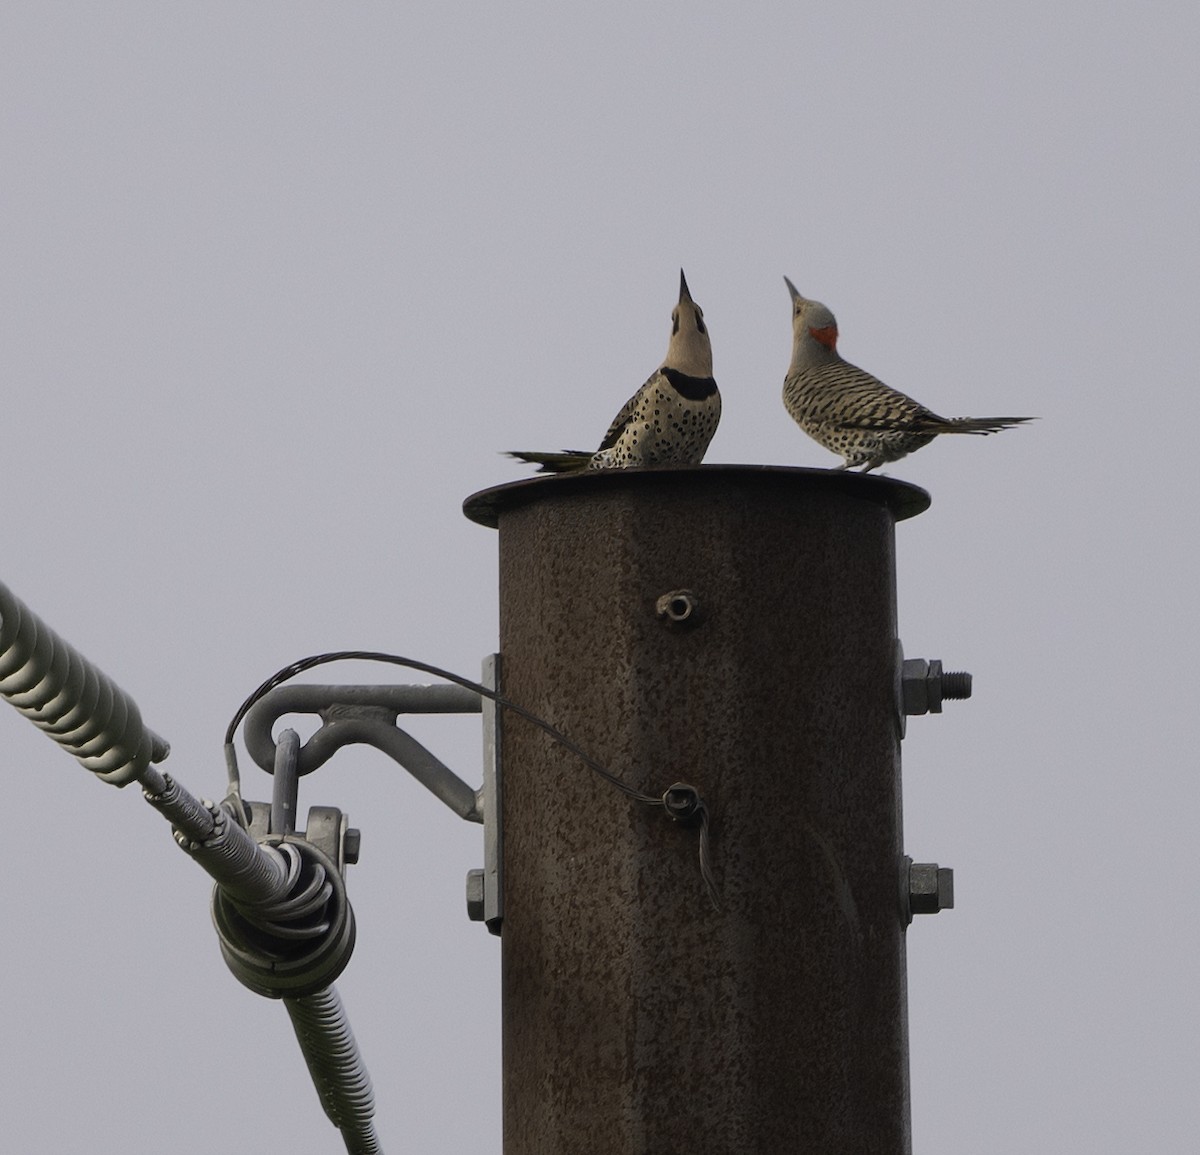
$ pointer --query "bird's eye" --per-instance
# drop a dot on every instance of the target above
(700, 323)
(674, 322)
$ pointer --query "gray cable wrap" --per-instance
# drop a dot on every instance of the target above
(193, 819)
(72, 700)
(245, 870)
(280, 907)
(295, 943)
(331, 1053)
(286, 931)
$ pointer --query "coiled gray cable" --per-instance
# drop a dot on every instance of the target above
(337, 1071)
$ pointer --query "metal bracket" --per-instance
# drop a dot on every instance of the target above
(492, 890)
(329, 830)
(368, 715)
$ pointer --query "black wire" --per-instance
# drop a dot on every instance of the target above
(710, 883)
(289, 672)
(299, 667)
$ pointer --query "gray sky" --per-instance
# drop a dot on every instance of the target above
(279, 281)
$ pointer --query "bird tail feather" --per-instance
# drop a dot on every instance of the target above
(568, 461)
(979, 424)
(933, 424)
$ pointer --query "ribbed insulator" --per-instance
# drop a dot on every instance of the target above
(73, 701)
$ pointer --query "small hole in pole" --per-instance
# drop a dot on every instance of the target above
(678, 607)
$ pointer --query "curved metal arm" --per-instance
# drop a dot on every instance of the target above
(367, 714)
(343, 702)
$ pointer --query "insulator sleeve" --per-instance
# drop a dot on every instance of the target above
(336, 1066)
(71, 699)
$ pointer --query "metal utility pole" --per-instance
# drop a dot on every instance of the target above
(732, 628)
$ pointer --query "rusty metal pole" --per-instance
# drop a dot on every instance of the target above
(636, 1017)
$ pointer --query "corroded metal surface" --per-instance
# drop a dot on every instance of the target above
(902, 498)
(636, 1017)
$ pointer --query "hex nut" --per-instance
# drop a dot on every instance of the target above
(475, 895)
(930, 888)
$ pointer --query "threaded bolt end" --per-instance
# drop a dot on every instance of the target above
(956, 684)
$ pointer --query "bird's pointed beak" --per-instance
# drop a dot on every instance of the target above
(684, 295)
(796, 294)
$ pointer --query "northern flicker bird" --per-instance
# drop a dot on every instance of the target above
(670, 420)
(849, 411)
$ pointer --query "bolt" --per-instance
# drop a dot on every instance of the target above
(475, 895)
(924, 686)
(352, 845)
(930, 888)
(678, 607)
